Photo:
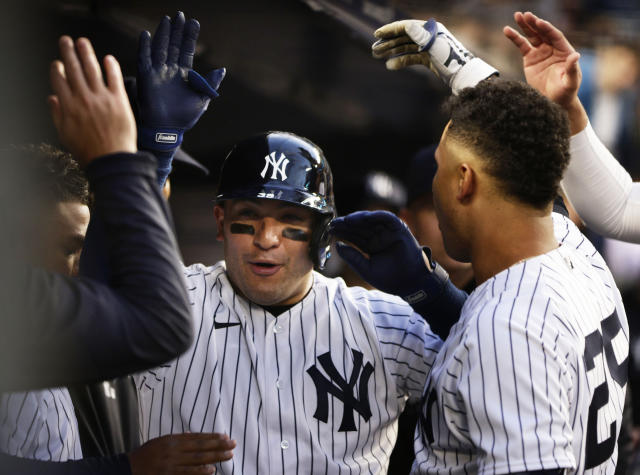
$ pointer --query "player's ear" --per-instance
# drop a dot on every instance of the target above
(466, 182)
(218, 212)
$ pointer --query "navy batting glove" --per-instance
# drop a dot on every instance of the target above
(171, 96)
(395, 263)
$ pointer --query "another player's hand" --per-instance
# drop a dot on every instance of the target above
(181, 454)
(408, 42)
(92, 118)
(550, 62)
(394, 261)
(170, 93)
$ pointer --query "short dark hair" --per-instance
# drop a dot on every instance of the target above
(521, 136)
(55, 174)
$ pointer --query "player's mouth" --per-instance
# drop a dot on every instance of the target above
(264, 268)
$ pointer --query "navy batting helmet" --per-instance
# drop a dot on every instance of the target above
(286, 167)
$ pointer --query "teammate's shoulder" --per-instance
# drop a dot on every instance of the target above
(361, 297)
(523, 287)
(569, 235)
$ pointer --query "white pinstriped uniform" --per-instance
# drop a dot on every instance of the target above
(538, 346)
(39, 425)
(254, 380)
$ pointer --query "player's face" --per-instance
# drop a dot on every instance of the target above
(62, 234)
(266, 249)
(445, 186)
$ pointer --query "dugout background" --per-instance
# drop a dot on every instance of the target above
(289, 67)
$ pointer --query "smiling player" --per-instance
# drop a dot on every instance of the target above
(304, 373)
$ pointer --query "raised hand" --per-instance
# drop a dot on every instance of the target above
(171, 96)
(550, 62)
(407, 42)
(92, 118)
(181, 454)
(170, 93)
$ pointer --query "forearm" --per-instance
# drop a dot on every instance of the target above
(578, 118)
(115, 465)
(601, 190)
(145, 266)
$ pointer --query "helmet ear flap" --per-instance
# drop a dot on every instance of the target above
(321, 241)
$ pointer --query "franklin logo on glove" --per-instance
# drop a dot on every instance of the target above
(166, 138)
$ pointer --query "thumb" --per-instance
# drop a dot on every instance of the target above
(421, 33)
(572, 69)
(215, 77)
(200, 84)
(353, 257)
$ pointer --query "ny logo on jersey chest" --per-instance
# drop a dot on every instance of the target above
(342, 389)
(279, 166)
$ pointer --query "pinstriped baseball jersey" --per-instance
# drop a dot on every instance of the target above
(39, 425)
(316, 390)
(533, 376)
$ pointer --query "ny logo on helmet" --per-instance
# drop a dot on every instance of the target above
(279, 166)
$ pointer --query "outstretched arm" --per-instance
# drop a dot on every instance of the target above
(380, 248)
(598, 187)
(58, 331)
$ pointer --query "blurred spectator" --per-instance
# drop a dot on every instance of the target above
(610, 94)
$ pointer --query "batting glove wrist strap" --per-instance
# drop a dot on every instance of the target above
(163, 143)
(443, 301)
(471, 74)
(160, 139)
(431, 283)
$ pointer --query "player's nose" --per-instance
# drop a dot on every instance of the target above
(268, 233)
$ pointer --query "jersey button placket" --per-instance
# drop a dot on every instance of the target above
(271, 408)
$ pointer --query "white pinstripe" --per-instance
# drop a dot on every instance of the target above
(511, 387)
(251, 380)
(39, 425)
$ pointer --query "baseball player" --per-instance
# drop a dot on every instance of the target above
(533, 376)
(42, 424)
(304, 373)
(45, 313)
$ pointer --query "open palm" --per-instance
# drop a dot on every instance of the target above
(550, 62)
